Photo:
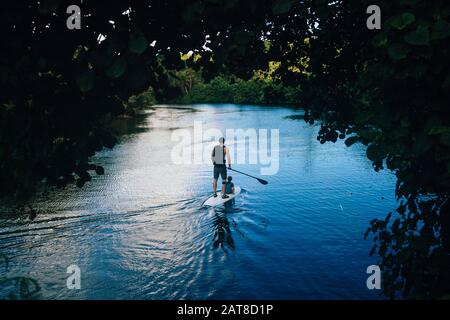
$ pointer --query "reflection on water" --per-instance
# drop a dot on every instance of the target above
(139, 231)
(223, 236)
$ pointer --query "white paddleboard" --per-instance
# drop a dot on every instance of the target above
(214, 202)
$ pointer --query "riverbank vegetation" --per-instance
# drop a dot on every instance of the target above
(388, 89)
(222, 89)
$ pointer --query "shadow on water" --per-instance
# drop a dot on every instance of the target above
(130, 125)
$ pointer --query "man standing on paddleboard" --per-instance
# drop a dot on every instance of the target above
(218, 155)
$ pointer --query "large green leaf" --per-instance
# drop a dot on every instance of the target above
(440, 30)
(138, 44)
(398, 51)
(419, 37)
(86, 81)
(117, 69)
(403, 20)
(438, 130)
(193, 11)
(380, 40)
(282, 6)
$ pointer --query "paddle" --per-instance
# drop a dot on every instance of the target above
(262, 181)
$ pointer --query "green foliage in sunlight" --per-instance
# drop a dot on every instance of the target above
(186, 79)
(142, 100)
(222, 89)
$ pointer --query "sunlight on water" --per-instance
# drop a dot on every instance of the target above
(139, 231)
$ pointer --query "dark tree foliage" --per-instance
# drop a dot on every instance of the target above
(59, 87)
(388, 89)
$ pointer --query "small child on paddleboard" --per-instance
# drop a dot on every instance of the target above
(229, 188)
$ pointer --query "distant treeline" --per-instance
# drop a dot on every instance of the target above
(236, 90)
(192, 88)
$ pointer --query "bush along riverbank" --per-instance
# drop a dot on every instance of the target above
(188, 86)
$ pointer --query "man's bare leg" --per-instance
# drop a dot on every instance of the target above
(214, 186)
(223, 188)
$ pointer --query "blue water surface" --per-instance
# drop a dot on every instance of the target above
(140, 232)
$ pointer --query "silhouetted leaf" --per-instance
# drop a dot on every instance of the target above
(380, 40)
(99, 170)
(440, 30)
(438, 130)
(86, 81)
(366, 234)
(419, 37)
(372, 251)
(117, 69)
(193, 11)
(282, 6)
(80, 183)
(351, 140)
(138, 44)
(401, 21)
(398, 51)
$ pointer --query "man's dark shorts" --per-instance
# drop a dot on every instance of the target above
(222, 170)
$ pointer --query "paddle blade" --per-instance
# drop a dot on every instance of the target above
(262, 181)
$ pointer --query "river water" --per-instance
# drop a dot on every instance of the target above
(140, 231)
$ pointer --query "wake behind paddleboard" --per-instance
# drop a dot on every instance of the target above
(214, 202)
